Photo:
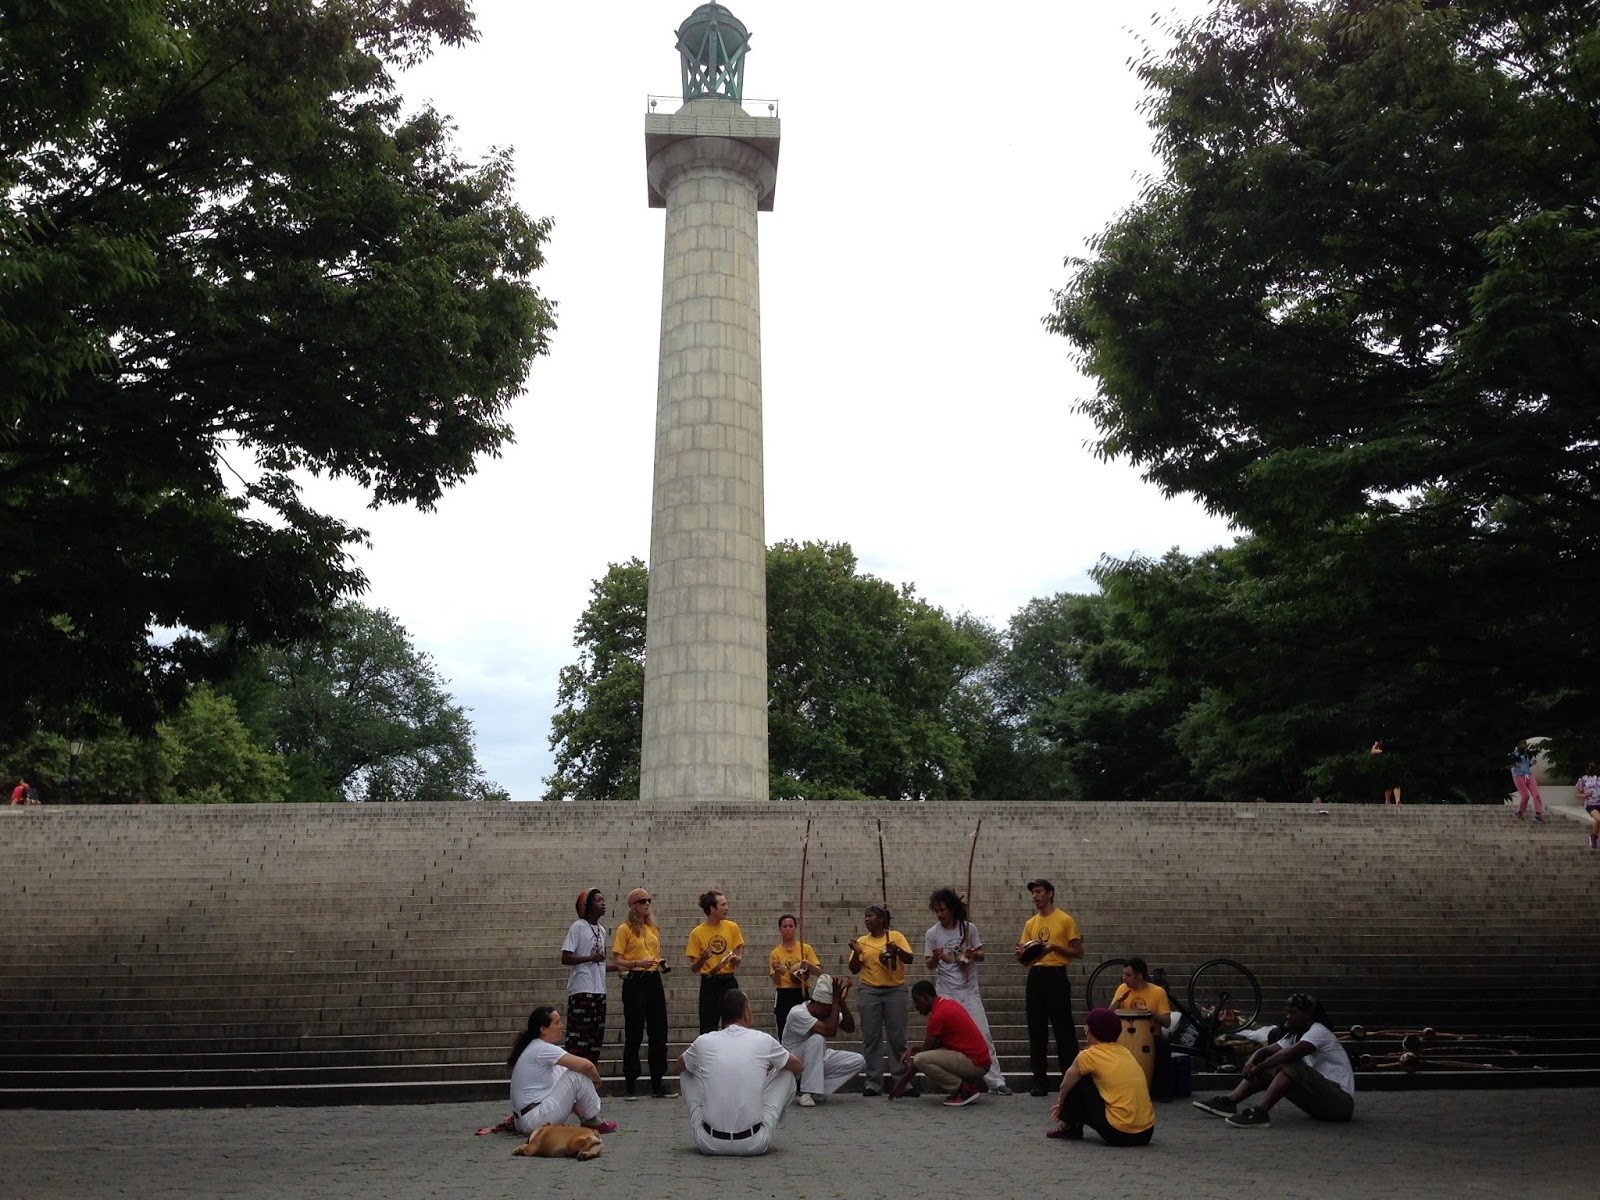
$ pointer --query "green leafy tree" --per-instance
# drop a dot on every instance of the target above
(358, 713)
(1355, 312)
(860, 678)
(599, 725)
(871, 691)
(228, 261)
(202, 754)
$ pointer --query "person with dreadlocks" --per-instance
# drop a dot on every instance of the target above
(952, 950)
(584, 956)
(1307, 1066)
(880, 960)
(636, 956)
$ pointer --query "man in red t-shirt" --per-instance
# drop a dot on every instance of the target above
(953, 1055)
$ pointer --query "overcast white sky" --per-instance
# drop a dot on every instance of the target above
(939, 160)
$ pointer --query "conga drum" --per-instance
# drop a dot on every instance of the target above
(1139, 1036)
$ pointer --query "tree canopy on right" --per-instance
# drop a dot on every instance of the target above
(1357, 311)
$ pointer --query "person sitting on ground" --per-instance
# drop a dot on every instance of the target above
(548, 1084)
(1307, 1066)
(1137, 994)
(806, 1032)
(954, 1054)
(734, 1083)
(1104, 1089)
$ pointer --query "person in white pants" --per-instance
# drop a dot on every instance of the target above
(736, 1082)
(806, 1032)
(548, 1084)
(952, 950)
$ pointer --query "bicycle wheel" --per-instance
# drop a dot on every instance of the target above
(1223, 984)
(1103, 983)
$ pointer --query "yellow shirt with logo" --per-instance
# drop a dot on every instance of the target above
(1058, 929)
(873, 972)
(719, 939)
(1149, 997)
(632, 947)
(784, 961)
(1120, 1080)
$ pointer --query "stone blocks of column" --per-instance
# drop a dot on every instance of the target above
(705, 714)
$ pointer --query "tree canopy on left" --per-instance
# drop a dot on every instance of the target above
(228, 260)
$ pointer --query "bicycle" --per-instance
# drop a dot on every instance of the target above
(1223, 996)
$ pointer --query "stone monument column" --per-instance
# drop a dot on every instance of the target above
(712, 167)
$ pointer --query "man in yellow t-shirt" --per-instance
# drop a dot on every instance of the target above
(1049, 992)
(1138, 994)
(636, 956)
(880, 960)
(1105, 1089)
(715, 949)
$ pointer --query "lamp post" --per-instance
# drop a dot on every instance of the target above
(76, 748)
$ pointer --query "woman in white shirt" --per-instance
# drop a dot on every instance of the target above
(548, 1084)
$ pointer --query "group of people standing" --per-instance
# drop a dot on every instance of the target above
(809, 1006)
(737, 1081)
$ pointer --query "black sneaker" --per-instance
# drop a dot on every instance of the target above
(660, 1092)
(1538, 818)
(1037, 1090)
(1251, 1118)
(1220, 1105)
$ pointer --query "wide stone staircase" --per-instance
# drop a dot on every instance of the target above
(303, 954)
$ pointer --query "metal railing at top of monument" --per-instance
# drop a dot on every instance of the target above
(667, 105)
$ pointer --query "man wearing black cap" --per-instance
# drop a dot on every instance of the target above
(1049, 942)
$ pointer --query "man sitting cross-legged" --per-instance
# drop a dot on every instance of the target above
(953, 1054)
(736, 1082)
(806, 1032)
(1307, 1067)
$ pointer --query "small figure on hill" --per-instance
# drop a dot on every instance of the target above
(26, 791)
(736, 1082)
(805, 1035)
(952, 950)
(636, 956)
(1049, 941)
(1104, 1089)
(584, 956)
(1521, 758)
(1588, 792)
(790, 965)
(953, 1054)
(880, 960)
(548, 1085)
(1391, 795)
(1306, 1066)
(715, 949)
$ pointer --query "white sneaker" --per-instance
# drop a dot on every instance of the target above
(806, 1101)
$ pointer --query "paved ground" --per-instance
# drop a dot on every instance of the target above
(1410, 1146)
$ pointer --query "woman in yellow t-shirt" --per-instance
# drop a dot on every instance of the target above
(1104, 1089)
(791, 966)
(636, 956)
(880, 960)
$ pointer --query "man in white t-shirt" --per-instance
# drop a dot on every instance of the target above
(736, 1082)
(952, 949)
(806, 1031)
(1307, 1067)
(584, 956)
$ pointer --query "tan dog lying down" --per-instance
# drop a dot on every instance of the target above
(561, 1141)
